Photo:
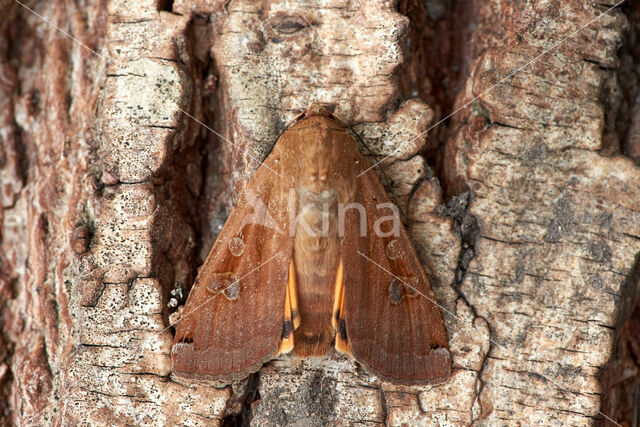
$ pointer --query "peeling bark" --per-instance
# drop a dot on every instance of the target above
(523, 205)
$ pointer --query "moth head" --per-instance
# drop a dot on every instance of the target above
(317, 109)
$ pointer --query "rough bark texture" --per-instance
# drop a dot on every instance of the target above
(524, 206)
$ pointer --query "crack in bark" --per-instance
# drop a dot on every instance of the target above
(469, 230)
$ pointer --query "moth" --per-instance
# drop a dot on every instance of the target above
(312, 256)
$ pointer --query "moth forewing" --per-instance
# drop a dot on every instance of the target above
(227, 335)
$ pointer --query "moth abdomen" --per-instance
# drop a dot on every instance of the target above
(315, 339)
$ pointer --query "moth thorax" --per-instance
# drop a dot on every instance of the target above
(317, 213)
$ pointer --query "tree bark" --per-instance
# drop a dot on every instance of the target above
(128, 129)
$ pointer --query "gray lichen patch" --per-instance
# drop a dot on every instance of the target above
(123, 246)
(142, 110)
(315, 391)
(401, 136)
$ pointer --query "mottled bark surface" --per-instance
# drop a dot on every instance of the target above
(524, 205)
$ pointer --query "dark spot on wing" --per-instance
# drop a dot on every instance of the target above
(395, 292)
(287, 329)
(342, 329)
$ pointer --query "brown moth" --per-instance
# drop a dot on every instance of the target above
(312, 254)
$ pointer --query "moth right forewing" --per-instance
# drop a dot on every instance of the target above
(232, 321)
(393, 324)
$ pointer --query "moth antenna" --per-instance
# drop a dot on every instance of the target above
(301, 116)
(270, 148)
(292, 122)
(384, 174)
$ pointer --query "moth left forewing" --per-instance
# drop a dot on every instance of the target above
(392, 322)
(233, 319)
